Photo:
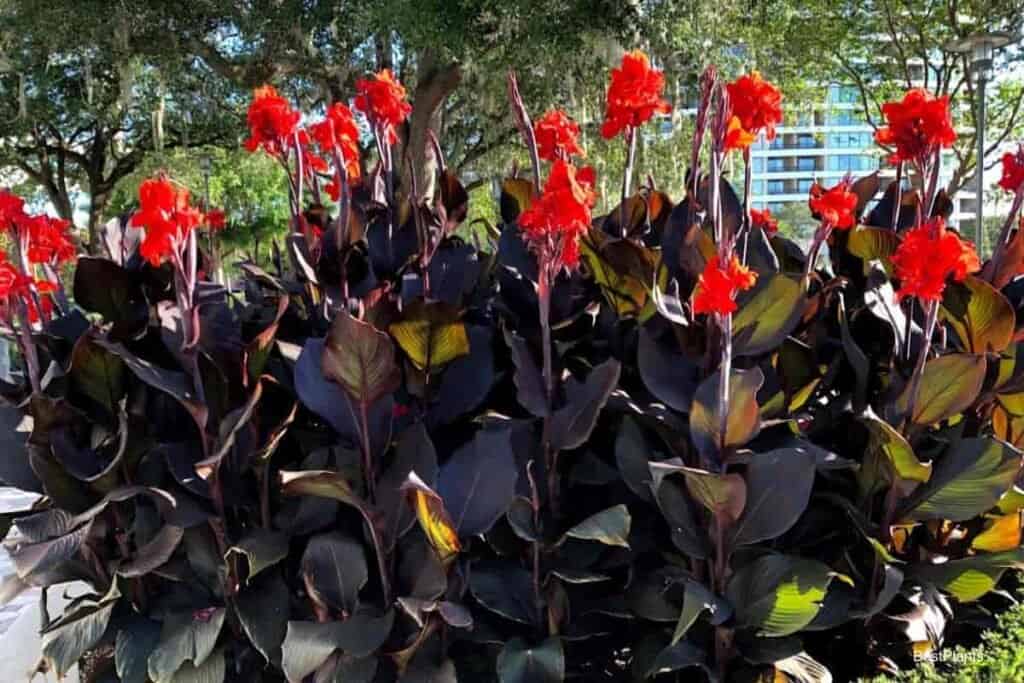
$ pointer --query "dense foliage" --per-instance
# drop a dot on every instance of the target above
(662, 443)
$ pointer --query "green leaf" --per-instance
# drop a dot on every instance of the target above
(970, 578)
(967, 480)
(779, 487)
(572, 424)
(431, 334)
(610, 527)
(949, 385)
(779, 595)
(185, 637)
(979, 314)
(518, 663)
(334, 571)
(725, 495)
(360, 358)
(767, 314)
(744, 420)
(308, 644)
(261, 548)
(78, 630)
(873, 244)
(895, 452)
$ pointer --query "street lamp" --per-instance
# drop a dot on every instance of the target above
(981, 47)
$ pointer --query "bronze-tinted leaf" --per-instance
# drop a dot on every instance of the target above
(433, 517)
(767, 314)
(979, 314)
(360, 358)
(948, 386)
(744, 420)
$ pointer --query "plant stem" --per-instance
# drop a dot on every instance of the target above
(897, 199)
(820, 237)
(544, 308)
(368, 473)
(931, 315)
(525, 127)
(627, 177)
(535, 504)
(725, 371)
(748, 181)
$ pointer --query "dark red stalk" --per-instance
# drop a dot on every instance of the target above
(627, 177)
(992, 268)
(897, 198)
(525, 127)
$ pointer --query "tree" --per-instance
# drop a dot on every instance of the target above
(82, 108)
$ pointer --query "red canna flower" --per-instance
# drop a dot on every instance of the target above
(9, 277)
(12, 208)
(554, 222)
(717, 287)
(634, 95)
(836, 206)
(764, 220)
(49, 240)
(164, 213)
(1013, 171)
(215, 220)
(272, 122)
(736, 136)
(757, 103)
(382, 99)
(928, 255)
(557, 136)
(916, 126)
(338, 129)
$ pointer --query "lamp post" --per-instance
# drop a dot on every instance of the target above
(981, 47)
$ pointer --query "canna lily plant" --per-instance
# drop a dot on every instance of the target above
(665, 443)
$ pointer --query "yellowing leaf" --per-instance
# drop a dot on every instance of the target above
(431, 334)
(1001, 533)
(433, 518)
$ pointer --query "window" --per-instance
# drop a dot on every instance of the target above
(804, 185)
(776, 187)
(758, 187)
(806, 142)
(776, 165)
(806, 163)
(758, 164)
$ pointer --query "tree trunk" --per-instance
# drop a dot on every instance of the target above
(435, 81)
(99, 198)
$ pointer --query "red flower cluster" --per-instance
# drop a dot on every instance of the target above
(1013, 171)
(164, 213)
(917, 126)
(764, 220)
(634, 95)
(554, 222)
(557, 136)
(338, 129)
(43, 238)
(272, 122)
(718, 286)
(836, 206)
(756, 103)
(382, 100)
(215, 220)
(927, 256)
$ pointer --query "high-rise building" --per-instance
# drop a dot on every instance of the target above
(824, 142)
